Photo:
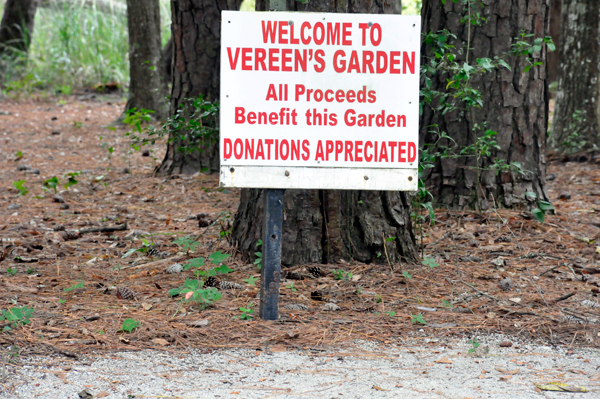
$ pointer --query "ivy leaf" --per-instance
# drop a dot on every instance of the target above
(129, 325)
(218, 257)
(430, 262)
(538, 214)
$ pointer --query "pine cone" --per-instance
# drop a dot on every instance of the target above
(70, 235)
(156, 253)
(229, 285)
(292, 276)
(125, 293)
(212, 281)
(315, 271)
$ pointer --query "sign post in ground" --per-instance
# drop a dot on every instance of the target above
(316, 101)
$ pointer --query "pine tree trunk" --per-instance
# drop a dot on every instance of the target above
(576, 126)
(326, 226)
(553, 60)
(147, 87)
(196, 33)
(16, 28)
(515, 105)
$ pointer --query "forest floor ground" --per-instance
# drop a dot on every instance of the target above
(496, 272)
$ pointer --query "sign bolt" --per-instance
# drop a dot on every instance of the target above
(409, 178)
(231, 170)
(366, 177)
(287, 173)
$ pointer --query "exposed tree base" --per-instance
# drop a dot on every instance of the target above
(325, 226)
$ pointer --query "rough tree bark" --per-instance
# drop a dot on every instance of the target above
(576, 125)
(515, 106)
(553, 59)
(147, 87)
(324, 226)
(16, 27)
(196, 35)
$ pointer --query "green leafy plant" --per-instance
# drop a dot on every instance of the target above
(146, 245)
(19, 155)
(429, 262)
(291, 287)
(418, 318)
(474, 343)
(19, 186)
(129, 325)
(406, 275)
(194, 292)
(342, 275)
(391, 313)
(187, 243)
(542, 208)
(246, 313)
(16, 317)
(51, 184)
(258, 260)
(251, 280)
(447, 304)
(11, 272)
(74, 287)
(71, 181)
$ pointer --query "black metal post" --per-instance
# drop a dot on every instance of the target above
(271, 254)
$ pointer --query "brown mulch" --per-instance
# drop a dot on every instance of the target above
(551, 267)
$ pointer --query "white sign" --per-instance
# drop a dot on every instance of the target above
(311, 100)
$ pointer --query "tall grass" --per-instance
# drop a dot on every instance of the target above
(76, 45)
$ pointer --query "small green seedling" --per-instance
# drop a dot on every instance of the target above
(258, 260)
(447, 304)
(391, 314)
(406, 275)
(475, 345)
(251, 280)
(19, 186)
(74, 287)
(342, 275)
(61, 301)
(51, 184)
(291, 287)
(194, 292)
(11, 272)
(16, 317)
(429, 262)
(129, 325)
(188, 243)
(71, 179)
(246, 314)
(418, 318)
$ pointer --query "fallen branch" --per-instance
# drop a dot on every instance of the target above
(564, 297)
(105, 229)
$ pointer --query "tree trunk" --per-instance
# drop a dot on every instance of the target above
(553, 60)
(196, 35)
(515, 105)
(576, 126)
(326, 226)
(147, 87)
(16, 28)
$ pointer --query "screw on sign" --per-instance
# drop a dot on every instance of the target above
(316, 101)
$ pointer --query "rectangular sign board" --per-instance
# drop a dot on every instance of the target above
(322, 101)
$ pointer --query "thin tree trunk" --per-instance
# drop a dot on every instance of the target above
(515, 105)
(147, 87)
(16, 28)
(576, 125)
(326, 226)
(196, 35)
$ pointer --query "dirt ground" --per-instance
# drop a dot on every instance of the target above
(497, 272)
